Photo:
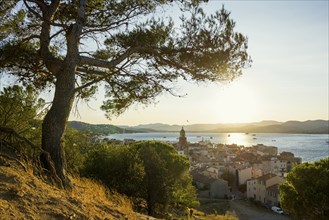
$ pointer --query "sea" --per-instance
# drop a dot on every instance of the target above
(309, 147)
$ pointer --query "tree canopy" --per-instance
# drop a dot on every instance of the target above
(140, 52)
(20, 108)
(75, 46)
(305, 194)
(149, 170)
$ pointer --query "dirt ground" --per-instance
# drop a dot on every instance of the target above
(214, 206)
(245, 210)
(24, 196)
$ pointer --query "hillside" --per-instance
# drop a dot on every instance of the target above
(297, 127)
(24, 196)
(198, 127)
(101, 129)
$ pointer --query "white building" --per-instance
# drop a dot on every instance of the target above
(260, 188)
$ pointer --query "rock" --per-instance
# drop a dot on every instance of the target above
(72, 216)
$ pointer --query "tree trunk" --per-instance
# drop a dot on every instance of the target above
(150, 205)
(54, 124)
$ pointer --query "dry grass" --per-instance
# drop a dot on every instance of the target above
(198, 215)
(24, 196)
(218, 217)
(97, 199)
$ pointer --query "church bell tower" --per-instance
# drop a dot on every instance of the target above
(182, 139)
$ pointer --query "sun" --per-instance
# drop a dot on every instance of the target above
(237, 103)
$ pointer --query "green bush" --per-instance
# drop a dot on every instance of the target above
(305, 194)
(152, 171)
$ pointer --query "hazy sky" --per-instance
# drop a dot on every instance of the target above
(288, 80)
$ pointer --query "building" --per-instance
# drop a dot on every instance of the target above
(276, 166)
(266, 150)
(272, 195)
(243, 174)
(219, 189)
(182, 145)
(182, 139)
(209, 187)
(265, 189)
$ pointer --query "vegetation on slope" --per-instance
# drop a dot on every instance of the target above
(139, 55)
(151, 172)
(305, 194)
(25, 196)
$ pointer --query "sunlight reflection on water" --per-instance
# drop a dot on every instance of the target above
(309, 147)
(238, 138)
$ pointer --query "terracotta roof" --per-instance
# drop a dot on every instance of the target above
(274, 188)
(198, 177)
(266, 177)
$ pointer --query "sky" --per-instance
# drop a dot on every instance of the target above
(288, 79)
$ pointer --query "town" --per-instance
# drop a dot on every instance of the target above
(230, 171)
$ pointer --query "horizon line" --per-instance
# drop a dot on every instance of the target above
(189, 124)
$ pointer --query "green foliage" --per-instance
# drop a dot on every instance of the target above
(149, 170)
(142, 55)
(8, 22)
(117, 167)
(242, 188)
(76, 146)
(21, 109)
(305, 194)
(100, 129)
(229, 177)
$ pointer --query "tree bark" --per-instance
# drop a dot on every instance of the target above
(54, 124)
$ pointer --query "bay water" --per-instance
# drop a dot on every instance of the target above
(310, 147)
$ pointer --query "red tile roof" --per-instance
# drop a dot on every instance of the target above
(266, 177)
(273, 188)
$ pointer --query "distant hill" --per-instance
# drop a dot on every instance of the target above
(154, 127)
(306, 127)
(196, 127)
(103, 129)
(296, 127)
(220, 127)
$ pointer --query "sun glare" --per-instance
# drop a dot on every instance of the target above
(237, 103)
(239, 138)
